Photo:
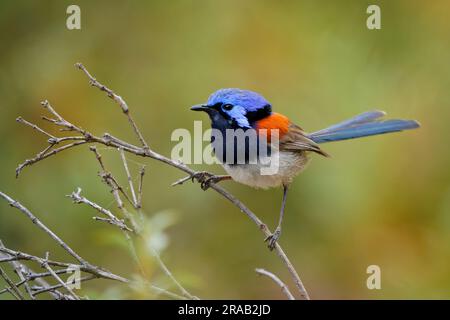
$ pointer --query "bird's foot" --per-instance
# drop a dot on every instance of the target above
(205, 184)
(272, 239)
(201, 176)
(206, 179)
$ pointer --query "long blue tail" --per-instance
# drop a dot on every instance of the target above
(363, 125)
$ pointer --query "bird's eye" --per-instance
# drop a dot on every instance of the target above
(227, 107)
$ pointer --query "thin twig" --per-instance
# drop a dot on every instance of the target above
(18, 255)
(116, 188)
(20, 270)
(181, 181)
(60, 121)
(49, 269)
(98, 156)
(43, 227)
(166, 270)
(132, 248)
(33, 276)
(167, 293)
(277, 280)
(42, 155)
(111, 141)
(117, 99)
(263, 227)
(13, 293)
(12, 285)
(35, 127)
(112, 219)
(141, 182)
(119, 202)
(130, 180)
(107, 176)
(40, 290)
(84, 264)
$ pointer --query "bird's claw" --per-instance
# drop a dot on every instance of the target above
(208, 181)
(272, 239)
(200, 176)
(205, 179)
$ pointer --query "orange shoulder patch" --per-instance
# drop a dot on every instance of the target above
(275, 121)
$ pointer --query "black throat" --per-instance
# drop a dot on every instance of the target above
(259, 114)
(222, 122)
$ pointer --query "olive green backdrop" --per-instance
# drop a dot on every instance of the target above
(380, 200)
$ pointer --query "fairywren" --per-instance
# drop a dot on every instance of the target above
(249, 112)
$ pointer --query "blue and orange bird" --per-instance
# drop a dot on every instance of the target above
(233, 109)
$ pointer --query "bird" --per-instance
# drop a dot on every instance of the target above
(233, 109)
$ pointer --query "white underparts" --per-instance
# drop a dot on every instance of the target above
(256, 175)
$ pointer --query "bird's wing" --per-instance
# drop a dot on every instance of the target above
(291, 137)
(295, 139)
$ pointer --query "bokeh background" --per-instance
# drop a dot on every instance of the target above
(381, 200)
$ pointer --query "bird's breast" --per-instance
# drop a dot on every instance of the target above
(279, 170)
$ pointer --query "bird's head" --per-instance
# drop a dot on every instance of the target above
(235, 108)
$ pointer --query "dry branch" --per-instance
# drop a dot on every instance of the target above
(144, 151)
(115, 187)
(112, 219)
(12, 286)
(56, 276)
(130, 180)
(277, 280)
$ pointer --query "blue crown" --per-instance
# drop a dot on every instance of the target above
(249, 100)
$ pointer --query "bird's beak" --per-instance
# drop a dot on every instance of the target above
(199, 107)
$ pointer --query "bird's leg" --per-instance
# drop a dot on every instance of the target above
(272, 239)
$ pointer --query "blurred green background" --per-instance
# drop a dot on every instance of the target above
(381, 200)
